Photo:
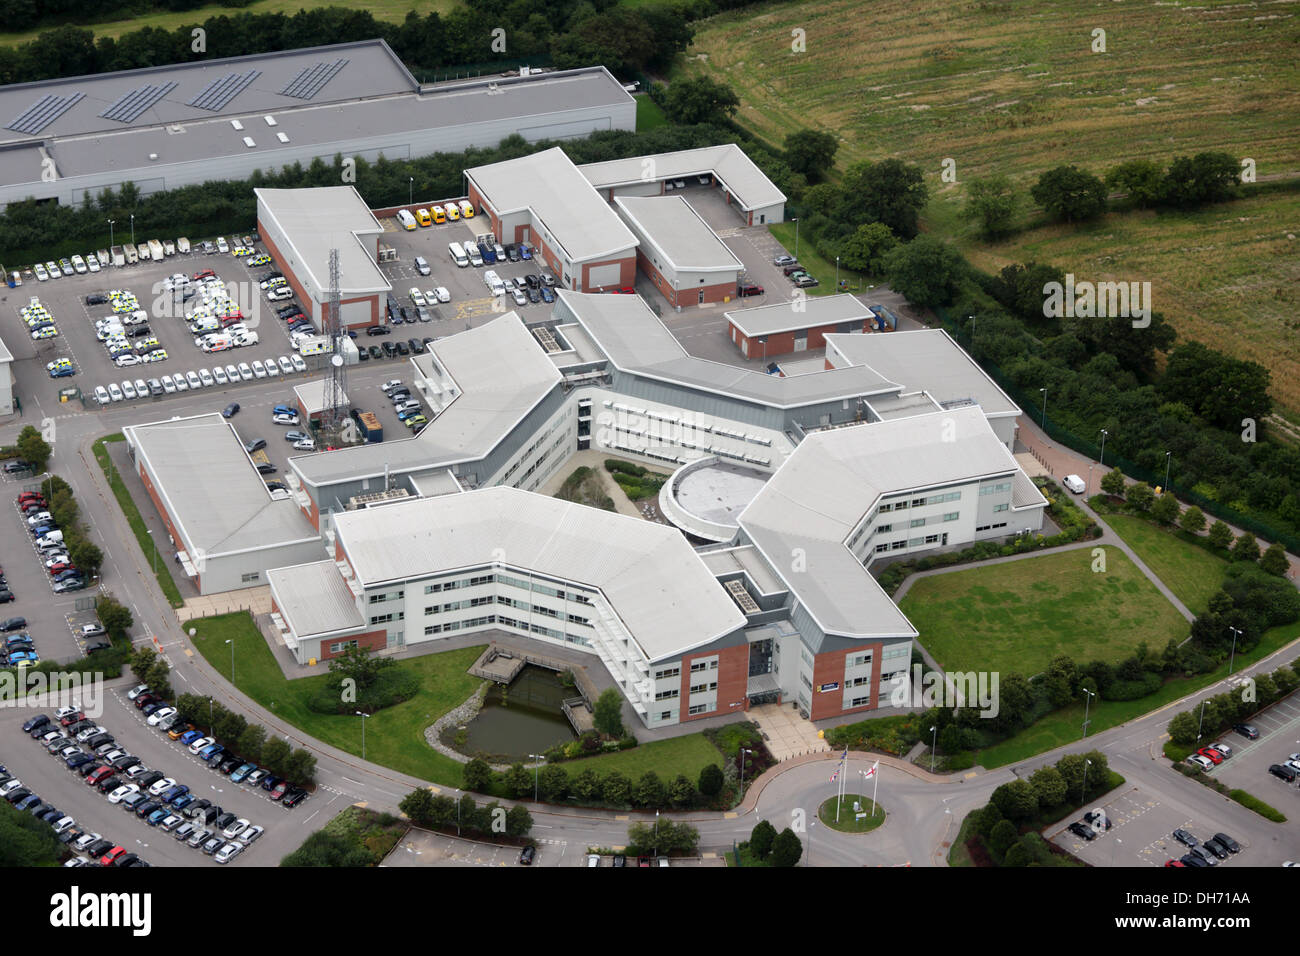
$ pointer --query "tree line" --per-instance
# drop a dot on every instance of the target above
(251, 741)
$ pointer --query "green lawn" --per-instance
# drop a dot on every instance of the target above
(648, 114)
(162, 569)
(394, 737)
(1192, 573)
(848, 822)
(1066, 725)
(1019, 615)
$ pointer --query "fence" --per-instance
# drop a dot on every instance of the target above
(469, 71)
(1059, 433)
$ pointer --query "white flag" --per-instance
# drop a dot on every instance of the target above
(872, 771)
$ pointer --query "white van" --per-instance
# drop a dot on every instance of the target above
(457, 253)
(493, 282)
(1075, 484)
(405, 218)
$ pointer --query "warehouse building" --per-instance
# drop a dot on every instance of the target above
(678, 252)
(224, 527)
(302, 226)
(6, 380)
(800, 325)
(188, 123)
(755, 197)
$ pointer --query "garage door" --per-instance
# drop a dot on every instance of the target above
(607, 276)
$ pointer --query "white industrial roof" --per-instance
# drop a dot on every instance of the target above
(500, 372)
(746, 182)
(656, 584)
(208, 484)
(676, 232)
(549, 186)
(637, 342)
(318, 219)
(314, 599)
(834, 477)
(804, 312)
(925, 359)
(311, 396)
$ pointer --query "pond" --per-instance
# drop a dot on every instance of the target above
(521, 719)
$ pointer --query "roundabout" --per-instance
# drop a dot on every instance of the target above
(868, 818)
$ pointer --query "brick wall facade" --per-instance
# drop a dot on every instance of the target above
(732, 677)
(828, 668)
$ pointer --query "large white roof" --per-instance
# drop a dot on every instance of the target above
(746, 182)
(925, 359)
(656, 584)
(314, 598)
(833, 478)
(673, 229)
(318, 219)
(549, 186)
(805, 312)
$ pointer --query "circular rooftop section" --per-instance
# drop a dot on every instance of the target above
(705, 498)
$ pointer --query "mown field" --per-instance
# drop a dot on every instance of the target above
(1014, 88)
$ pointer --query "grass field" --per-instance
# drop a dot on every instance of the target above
(1192, 573)
(1017, 616)
(685, 755)
(394, 11)
(649, 115)
(1008, 88)
(819, 268)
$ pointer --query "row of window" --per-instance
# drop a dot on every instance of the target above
(906, 543)
(921, 502)
(386, 618)
(858, 660)
(990, 527)
(711, 664)
(668, 672)
(1001, 488)
(381, 598)
(704, 688)
(703, 708)
(461, 583)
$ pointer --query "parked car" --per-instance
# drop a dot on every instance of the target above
(1249, 731)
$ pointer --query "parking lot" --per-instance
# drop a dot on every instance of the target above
(1279, 738)
(48, 776)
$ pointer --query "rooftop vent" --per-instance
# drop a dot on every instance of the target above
(270, 120)
(282, 137)
(236, 124)
(248, 141)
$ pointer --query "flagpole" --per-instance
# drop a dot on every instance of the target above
(875, 787)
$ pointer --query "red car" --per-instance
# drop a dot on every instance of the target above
(1210, 754)
(103, 773)
(62, 566)
(109, 858)
(1175, 863)
(278, 791)
(72, 718)
(203, 274)
(30, 496)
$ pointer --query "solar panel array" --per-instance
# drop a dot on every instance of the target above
(129, 106)
(222, 90)
(312, 79)
(43, 112)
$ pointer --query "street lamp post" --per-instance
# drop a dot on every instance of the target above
(209, 716)
(934, 737)
(796, 237)
(1044, 391)
(1102, 461)
(536, 770)
(743, 751)
(457, 813)
(133, 229)
(232, 660)
(1167, 457)
(1084, 790)
(110, 233)
(656, 847)
(1201, 723)
(1087, 703)
(410, 197)
(155, 550)
(1236, 633)
(363, 732)
(837, 273)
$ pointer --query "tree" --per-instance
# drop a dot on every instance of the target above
(141, 660)
(1192, 520)
(925, 271)
(33, 449)
(1049, 786)
(586, 786)
(1016, 800)
(1165, 510)
(301, 767)
(650, 791)
(616, 789)
(710, 783)
(116, 618)
(1113, 483)
(251, 742)
(761, 839)
(26, 841)
(477, 775)
(553, 782)
(1246, 548)
(890, 192)
(518, 781)
(1217, 387)
(1182, 729)
(681, 792)
(157, 678)
(518, 821)
(1275, 560)
(865, 249)
(275, 755)
(85, 554)
(700, 99)
(1004, 834)
(418, 806)
(787, 848)
(811, 152)
(992, 203)
(359, 664)
(607, 714)
(1220, 535)
(1140, 496)
(1069, 193)
(1203, 178)
(1143, 180)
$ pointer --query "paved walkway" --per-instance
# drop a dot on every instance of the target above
(256, 600)
(786, 734)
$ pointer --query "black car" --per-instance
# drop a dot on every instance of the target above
(415, 346)
(378, 330)
(294, 797)
(99, 848)
(89, 767)
(99, 740)
(148, 709)
(401, 348)
(405, 316)
(289, 309)
(197, 807)
(390, 350)
(270, 783)
(138, 331)
(126, 760)
(97, 647)
(375, 352)
(13, 624)
(256, 444)
(527, 853)
(109, 783)
(149, 779)
(1191, 859)
(266, 468)
(1185, 838)
(276, 486)
(40, 720)
(18, 795)
(1227, 842)
(96, 299)
(533, 281)
(1285, 773)
(1213, 845)
(231, 410)
(533, 295)
(1082, 830)
(127, 859)
(229, 764)
(1249, 731)
(78, 760)
(363, 355)
(146, 808)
